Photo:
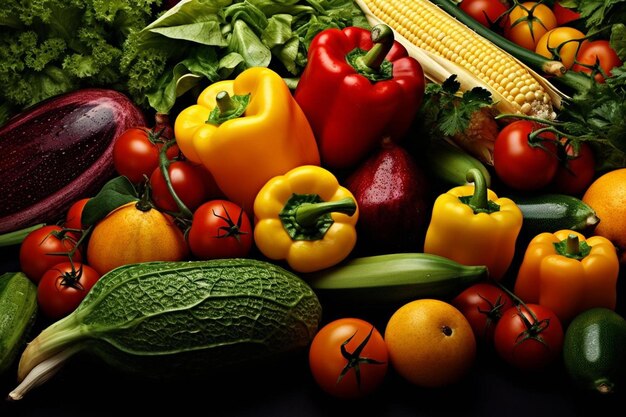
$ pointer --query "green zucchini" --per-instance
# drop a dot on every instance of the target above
(593, 350)
(394, 278)
(551, 212)
(450, 164)
(174, 319)
(18, 313)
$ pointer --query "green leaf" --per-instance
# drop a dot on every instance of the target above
(245, 42)
(205, 33)
(115, 193)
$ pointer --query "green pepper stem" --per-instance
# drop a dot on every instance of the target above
(225, 103)
(307, 214)
(572, 245)
(479, 200)
(382, 36)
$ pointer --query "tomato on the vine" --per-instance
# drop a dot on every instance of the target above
(74, 214)
(529, 337)
(522, 159)
(594, 56)
(348, 358)
(45, 247)
(188, 183)
(576, 171)
(527, 22)
(560, 43)
(136, 153)
(63, 287)
(482, 304)
(220, 229)
(486, 12)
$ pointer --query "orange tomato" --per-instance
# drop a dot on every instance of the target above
(560, 44)
(527, 23)
(130, 234)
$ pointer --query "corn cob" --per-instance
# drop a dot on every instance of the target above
(445, 46)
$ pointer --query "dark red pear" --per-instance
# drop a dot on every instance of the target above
(393, 196)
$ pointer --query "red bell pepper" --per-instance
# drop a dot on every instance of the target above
(358, 87)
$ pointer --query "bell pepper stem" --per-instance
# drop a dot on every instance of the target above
(572, 245)
(225, 103)
(382, 36)
(307, 214)
(479, 200)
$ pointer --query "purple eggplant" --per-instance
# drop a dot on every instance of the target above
(58, 151)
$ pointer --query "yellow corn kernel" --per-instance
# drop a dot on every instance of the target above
(430, 28)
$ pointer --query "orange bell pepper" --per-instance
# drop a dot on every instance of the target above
(568, 274)
(246, 131)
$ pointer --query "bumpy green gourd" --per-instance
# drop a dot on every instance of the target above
(181, 318)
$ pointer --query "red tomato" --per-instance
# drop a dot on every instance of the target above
(486, 12)
(63, 287)
(527, 22)
(220, 229)
(188, 185)
(596, 57)
(74, 214)
(45, 247)
(136, 153)
(521, 163)
(563, 14)
(348, 358)
(526, 342)
(482, 304)
(576, 173)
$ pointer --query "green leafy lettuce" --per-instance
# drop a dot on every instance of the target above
(203, 41)
(49, 47)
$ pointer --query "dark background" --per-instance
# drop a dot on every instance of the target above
(88, 387)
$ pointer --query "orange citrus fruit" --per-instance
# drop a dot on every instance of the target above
(607, 196)
(430, 343)
(130, 235)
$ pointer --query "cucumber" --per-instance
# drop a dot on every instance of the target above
(550, 212)
(593, 350)
(450, 164)
(18, 313)
(174, 319)
(394, 278)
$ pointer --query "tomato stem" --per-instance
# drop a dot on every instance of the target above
(164, 165)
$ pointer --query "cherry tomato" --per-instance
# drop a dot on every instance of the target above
(220, 229)
(594, 56)
(564, 15)
(576, 173)
(63, 287)
(526, 342)
(348, 358)
(482, 304)
(527, 22)
(486, 12)
(45, 247)
(74, 214)
(561, 44)
(188, 183)
(136, 153)
(521, 162)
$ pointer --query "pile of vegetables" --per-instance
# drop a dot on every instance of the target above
(217, 233)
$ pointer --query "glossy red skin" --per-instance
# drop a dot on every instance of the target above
(486, 12)
(598, 50)
(575, 177)
(75, 213)
(348, 113)
(528, 354)
(37, 248)
(55, 299)
(59, 151)
(518, 164)
(564, 15)
(203, 238)
(482, 304)
(188, 183)
(326, 361)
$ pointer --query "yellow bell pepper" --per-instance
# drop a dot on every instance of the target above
(306, 218)
(568, 274)
(471, 225)
(246, 131)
